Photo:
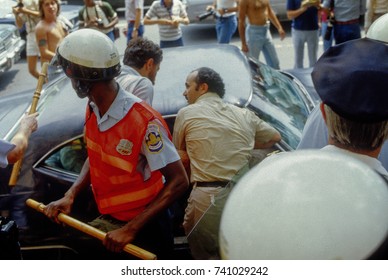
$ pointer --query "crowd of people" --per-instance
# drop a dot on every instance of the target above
(138, 171)
(336, 21)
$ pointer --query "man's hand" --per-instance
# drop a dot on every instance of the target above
(29, 124)
(311, 3)
(116, 240)
(62, 205)
(244, 48)
(282, 34)
(134, 33)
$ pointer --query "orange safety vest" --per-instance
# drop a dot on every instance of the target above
(119, 189)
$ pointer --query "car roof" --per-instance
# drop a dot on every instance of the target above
(62, 112)
(177, 63)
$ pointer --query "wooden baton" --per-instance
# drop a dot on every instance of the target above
(41, 80)
(129, 248)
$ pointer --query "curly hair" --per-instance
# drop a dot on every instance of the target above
(140, 50)
(210, 77)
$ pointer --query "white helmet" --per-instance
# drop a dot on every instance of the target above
(306, 205)
(379, 29)
(88, 55)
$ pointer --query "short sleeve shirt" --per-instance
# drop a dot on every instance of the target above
(102, 10)
(218, 137)
(307, 20)
(130, 9)
(150, 159)
(158, 10)
(136, 84)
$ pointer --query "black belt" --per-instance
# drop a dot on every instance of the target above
(212, 184)
(353, 21)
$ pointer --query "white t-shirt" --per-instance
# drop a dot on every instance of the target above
(130, 9)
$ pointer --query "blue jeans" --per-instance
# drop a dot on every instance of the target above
(299, 38)
(170, 44)
(111, 35)
(259, 39)
(140, 31)
(326, 43)
(225, 28)
(346, 32)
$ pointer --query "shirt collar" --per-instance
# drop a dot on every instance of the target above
(129, 70)
(370, 161)
(119, 107)
(207, 97)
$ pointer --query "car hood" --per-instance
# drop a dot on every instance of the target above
(6, 30)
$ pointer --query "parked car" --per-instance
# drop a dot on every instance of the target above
(56, 150)
(11, 46)
(195, 8)
(6, 15)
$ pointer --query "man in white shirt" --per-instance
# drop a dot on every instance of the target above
(134, 16)
(168, 14)
(141, 61)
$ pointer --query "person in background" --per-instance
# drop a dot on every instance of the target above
(327, 32)
(141, 61)
(50, 30)
(215, 140)
(226, 20)
(98, 15)
(347, 14)
(305, 29)
(168, 14)
(256, 36)
(28, 14)
(134, 17)
(374, 10)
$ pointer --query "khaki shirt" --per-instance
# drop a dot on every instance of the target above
(218, 137)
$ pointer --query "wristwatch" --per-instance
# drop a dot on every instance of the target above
(225, 10)
(134, 28)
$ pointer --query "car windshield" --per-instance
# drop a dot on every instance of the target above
(282, 93)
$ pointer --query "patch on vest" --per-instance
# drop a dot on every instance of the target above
(154, 139)
(124, 147)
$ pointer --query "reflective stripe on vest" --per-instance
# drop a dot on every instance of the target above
(120, 189)
(130, 196)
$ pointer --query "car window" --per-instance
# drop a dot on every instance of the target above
(286, 109)
(69, 157)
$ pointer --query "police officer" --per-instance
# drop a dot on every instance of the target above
(315, 133)
(133, 168)
(306, 205)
